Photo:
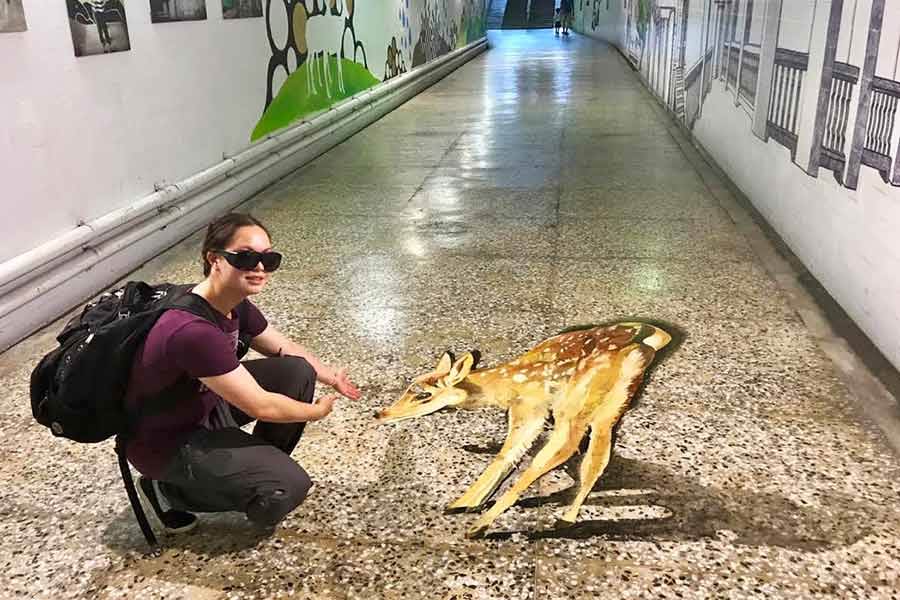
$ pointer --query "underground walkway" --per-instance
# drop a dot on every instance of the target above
(537, 188)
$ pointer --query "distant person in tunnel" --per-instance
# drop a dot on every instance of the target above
(565, 13)
(192, 394)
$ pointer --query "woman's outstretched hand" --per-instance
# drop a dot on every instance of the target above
(325, 404)
(344, 386)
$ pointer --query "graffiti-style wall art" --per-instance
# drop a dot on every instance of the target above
(12, 16)
(98, 26)
(324, 52)
(167, 11)
(819, 77)
(584, 379)
(242, 9)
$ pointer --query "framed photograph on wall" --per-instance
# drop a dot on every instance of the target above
(242, 9)
(169, 11)
(12, 16)
(98, 26)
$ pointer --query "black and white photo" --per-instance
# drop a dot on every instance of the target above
(98, 26)
(167, 11)
(241, 9)
(12, 16)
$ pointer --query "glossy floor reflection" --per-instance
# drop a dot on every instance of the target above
(536, 188)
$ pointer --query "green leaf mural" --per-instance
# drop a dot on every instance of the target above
(471, 28)
(294, 99)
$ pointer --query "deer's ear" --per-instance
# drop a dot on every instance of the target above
(461, 369)
(445, 364)
(443, 368)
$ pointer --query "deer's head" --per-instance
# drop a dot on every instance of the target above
(433, 391)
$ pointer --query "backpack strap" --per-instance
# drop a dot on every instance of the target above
(182, 299)
(194, 304)
(244, 338)
(199, 306)
(139, 513)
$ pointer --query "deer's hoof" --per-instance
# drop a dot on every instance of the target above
(563, 523)
(476, 532)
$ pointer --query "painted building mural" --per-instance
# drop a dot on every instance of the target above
(819, 77)
(331, 50)
(321, 51)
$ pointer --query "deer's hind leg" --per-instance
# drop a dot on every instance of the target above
(592, 466)
(563, 443)
(604, 417)
(526, 421)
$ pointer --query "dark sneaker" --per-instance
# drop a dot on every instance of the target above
(172, 521)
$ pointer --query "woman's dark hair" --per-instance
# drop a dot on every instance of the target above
(220, 232)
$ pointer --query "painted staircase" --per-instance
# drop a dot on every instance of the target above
(542, 12)
(679, 99)
(516, 14)
(678, 41)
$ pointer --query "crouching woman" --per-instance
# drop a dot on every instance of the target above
(192, 394)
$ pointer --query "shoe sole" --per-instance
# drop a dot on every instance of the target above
(151, 514)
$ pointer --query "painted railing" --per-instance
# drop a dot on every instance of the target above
(746, 63)
(787, 89)
(834, 141)
(879, 152)
(708, 73)
(749, 74)
(732, 58)
(694, 90)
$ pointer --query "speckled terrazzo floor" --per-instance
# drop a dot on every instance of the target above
(536, 188)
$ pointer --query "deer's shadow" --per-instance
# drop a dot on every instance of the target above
(693, 511)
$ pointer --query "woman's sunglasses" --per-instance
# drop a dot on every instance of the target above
(246, 260)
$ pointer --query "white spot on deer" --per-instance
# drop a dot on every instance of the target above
(519, 378)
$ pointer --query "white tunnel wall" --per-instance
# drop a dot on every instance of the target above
(82, 136)
(93, 136)
(827, 181)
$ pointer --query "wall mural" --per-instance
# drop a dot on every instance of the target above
(12, 16)
(584, 378)
(333, 49)
(820, 78)
(98, 26)
(167, 11)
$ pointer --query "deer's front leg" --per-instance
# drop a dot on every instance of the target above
(526, 420)
(562, 444)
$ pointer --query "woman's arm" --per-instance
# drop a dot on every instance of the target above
(272, 342)
(238, 387)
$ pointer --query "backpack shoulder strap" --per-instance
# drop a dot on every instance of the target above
(244, 338)
(196, 305)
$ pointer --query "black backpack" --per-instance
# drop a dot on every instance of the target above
(78, 389)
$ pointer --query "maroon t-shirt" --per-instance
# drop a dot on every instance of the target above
(182, 344)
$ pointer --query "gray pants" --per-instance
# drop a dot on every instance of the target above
(226, 469)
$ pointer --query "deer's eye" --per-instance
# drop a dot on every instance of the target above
(423, 395)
